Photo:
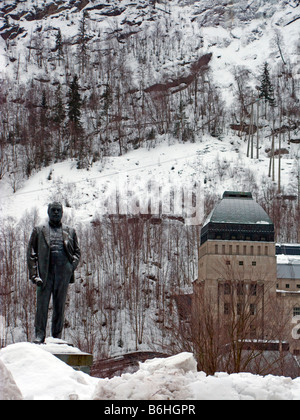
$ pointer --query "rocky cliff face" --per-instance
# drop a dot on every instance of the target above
(204, 12)
(159, 42)
(14, 12)
(232, 13)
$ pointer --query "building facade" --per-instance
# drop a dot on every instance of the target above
(288, 289)
(245, 291)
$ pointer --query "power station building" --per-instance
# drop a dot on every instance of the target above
(250, 285)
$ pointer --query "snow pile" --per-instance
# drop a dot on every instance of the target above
(8, 387)
(57, 345)
(244, 386)
(157, 379)
(176, 378)
(40, 375)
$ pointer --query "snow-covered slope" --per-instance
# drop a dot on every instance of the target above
(214, 164)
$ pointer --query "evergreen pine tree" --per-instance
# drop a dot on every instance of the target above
(44, 149)
(79, 147)
(59, 45)
(82, 41)
(43, 118)
(74, 103)
(58, 117)
(266, 88)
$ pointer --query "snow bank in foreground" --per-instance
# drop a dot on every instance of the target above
(176, 378)
(40, 375)
(157, 379)
(8, 387)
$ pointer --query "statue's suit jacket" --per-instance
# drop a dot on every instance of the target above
(38, 252)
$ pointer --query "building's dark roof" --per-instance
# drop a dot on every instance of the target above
(238, 208)
(238, 217)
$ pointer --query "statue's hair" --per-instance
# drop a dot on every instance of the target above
(54, 203)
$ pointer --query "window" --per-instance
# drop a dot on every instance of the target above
(298, 286)
(296, 311)
(251, 249)
(252, 309)
(237, 249)
(227, 262)
(216, 249)
(226, 308)
(223, 249)
(266, 250)
(240, 289)
(254, 263)
(245, 249)
(253, 289)
(259, 249)
(287, 286)
(241, 262)
(227, 289)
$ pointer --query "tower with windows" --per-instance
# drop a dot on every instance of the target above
(237, 268)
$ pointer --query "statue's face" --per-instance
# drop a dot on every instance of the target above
(55, 214)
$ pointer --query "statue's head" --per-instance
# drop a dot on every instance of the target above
(55, 212)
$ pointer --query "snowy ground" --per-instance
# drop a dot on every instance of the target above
(30, 372)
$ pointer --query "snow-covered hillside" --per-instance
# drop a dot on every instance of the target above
(243, 34)
(160, 45)
(31, 373)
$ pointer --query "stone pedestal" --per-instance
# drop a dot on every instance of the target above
(79, 361)
(69, 354)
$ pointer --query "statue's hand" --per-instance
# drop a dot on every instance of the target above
(37, 280)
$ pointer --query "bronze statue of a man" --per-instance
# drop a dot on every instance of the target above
(53, 255)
